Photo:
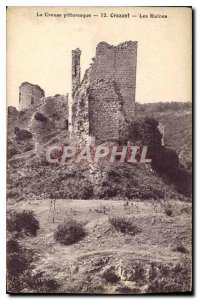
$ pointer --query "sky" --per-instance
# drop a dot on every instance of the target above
(39, 48)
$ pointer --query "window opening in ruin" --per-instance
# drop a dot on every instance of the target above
(19, 96)
(32, 100)
(66, 124)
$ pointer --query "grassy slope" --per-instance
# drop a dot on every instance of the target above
(72, 265)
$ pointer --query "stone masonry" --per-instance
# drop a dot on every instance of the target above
(118, 64)
(105, 99)
(75, 69)
(30, 95)
(105, 111)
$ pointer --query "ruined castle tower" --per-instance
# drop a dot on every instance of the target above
(104, 101)
(29, 95)
(118, 64)
(75, 69)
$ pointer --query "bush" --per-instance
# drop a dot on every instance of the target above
(146, 131)
(69, 232)
(11, 152)
(20, 275)
(22, 113)
(123, 225)
(125, 181)
(124, 290)
(40, 117)
(181, 249)
(166, 162)
(17, 263)
(11, 148)
(19, 260)
(110, 276)
(169, 278)
(42, 284)
(16, 129)
(76, 189)
(168, 212)
(23, 135)
(182, 180)
(23, 223)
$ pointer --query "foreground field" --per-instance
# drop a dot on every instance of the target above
(143, 262)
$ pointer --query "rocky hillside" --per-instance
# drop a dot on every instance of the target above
(177, 120)
(30, 175)
(49, 120)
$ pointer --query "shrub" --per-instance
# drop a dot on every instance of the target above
(123, 225)
(11, 149)
(110, 276)
(20, 275)
(166, 162)
(12, 245)
(23, 223)
(181, 249)
(29, 147)
(182, 180)
(123, 290)
(23, 135)
(168, 212)
(13, 193)
(19, 260)
(22, 113)
(169, 278)
(42, 284)
(76, 189)
(124, 181)
(40, 117)
(16, 129)
(69, 232)
(146, 131)
(17, 263)
(11, 152)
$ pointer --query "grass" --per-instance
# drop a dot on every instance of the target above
(76, 265)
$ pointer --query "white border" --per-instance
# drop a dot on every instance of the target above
(3, 4)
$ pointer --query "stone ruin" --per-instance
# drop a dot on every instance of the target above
(30, 95)
(105, 99)
(103, 102)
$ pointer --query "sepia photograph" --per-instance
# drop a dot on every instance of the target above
(99, 150)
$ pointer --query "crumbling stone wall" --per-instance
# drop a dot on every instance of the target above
(105, 111)
(30, 95)
(80, 110)
(105, 98)
(52, 122)
(75, 69)
(118, 64)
